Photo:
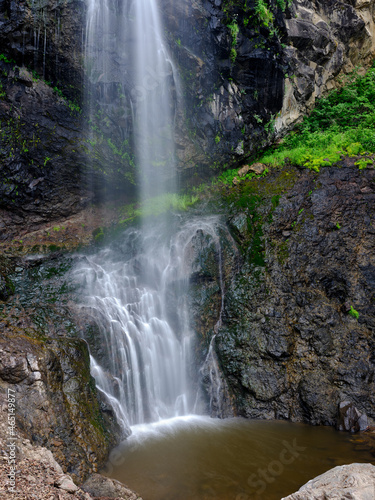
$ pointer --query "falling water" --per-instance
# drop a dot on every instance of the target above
(125, 55)
(137, 293)
(137, 288)
(153, 94)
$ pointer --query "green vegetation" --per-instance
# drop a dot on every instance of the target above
(353, 312)
(341, 124)
(4, 58)
(263, 12)
(234, 30)
(228, 176)
(158, 205)
(260, 13)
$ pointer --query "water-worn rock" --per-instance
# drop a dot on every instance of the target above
(350, 419)
(102, 486)
(355, 481)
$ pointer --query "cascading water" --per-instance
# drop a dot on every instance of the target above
(137, 288)
(154, 102)
(132, 88)
(137, 293)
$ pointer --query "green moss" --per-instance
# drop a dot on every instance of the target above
(98, 234)
(341, 124)
(353, 312)
(282, 253)
(54, 248)
(10, 285)
(258, 198)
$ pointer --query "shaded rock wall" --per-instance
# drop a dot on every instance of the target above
(288, 346)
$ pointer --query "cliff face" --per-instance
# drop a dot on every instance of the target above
(288, 345)
(243, 79)
(46, 363)
(297, 249)
(246, 79)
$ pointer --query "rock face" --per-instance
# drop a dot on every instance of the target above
(56, 400)
(41, 170)
(325, 40)
(46, 37)
(356, 481)
(287, 345)
(100, 486)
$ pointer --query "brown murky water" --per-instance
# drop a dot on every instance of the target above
(198, 458)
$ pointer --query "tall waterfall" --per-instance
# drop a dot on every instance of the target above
(136, 289)
(153, 94)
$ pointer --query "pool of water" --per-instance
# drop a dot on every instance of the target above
(199, 458)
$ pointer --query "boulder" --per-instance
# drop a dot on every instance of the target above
(101, 486)
(355, 481)
(350, 418)
(257, 168)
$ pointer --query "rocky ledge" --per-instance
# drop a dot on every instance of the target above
(295, 337)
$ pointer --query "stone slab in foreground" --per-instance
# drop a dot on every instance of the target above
(349, 482)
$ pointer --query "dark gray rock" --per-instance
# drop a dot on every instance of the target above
(286, 344)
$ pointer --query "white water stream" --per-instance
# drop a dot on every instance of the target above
(136, 290)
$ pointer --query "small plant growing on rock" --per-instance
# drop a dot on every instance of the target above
(362, 164)
(353, 312)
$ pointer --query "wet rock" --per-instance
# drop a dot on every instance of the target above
(286, 345)
(350, 418)
(355, 481)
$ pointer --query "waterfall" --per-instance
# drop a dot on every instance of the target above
(136, 291)
(132, 87)
(153, 96)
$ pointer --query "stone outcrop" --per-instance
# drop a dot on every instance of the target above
(326, 40)
(350, 419)
(356, 481)
(287, 344)
(39, 476)
(56, 400)
(100, 486)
